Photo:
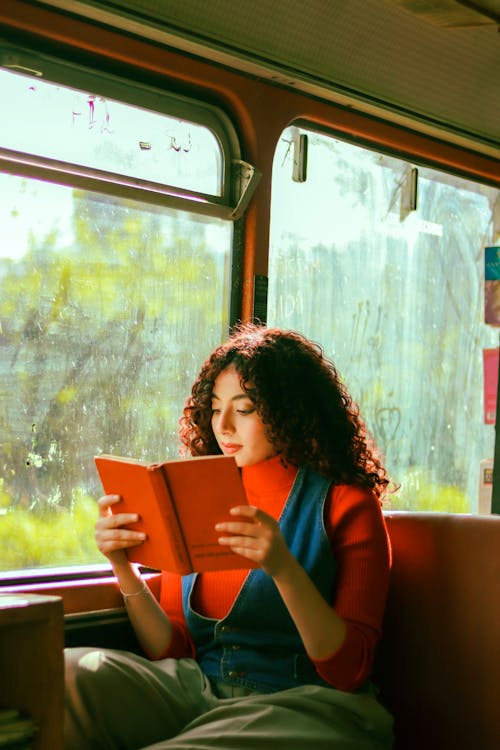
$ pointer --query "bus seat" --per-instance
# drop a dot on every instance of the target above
(438, 663)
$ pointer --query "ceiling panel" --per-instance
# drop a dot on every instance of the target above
(386, 56)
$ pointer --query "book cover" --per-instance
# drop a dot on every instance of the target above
(492, 285)
(179, 502)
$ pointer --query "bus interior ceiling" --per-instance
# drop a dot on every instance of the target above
(433, 66)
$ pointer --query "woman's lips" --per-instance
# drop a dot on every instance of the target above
(230, 447)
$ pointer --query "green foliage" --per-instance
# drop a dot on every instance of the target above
(420, 492)
(102, 329)
(30, 539)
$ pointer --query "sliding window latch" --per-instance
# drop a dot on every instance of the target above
(245, 178)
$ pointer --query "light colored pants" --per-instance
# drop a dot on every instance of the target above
(116, 700)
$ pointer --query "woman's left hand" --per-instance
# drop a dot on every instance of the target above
(259, 538)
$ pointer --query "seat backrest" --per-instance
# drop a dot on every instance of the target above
(438, 663)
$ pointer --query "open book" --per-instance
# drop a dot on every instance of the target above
(179, 502)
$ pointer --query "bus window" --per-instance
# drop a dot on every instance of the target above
(89, 130)
(393, 291)
(109, 301)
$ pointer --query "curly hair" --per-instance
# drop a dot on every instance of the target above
(308, 415)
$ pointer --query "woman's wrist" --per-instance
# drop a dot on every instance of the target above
(129, 580)
(141, 591)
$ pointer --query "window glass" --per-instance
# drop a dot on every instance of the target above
(108, 306)
(395, 296)
(92, 130)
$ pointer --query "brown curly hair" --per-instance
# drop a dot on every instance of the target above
(307, 412)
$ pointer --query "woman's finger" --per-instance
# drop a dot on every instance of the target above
(119, 533)
(238, 527)
(118, 539)
(109, 545)
(116, 520)
(248, 511)
(106, 502)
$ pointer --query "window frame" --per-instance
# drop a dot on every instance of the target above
(238, 177)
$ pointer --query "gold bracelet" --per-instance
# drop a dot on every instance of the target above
(143, 590)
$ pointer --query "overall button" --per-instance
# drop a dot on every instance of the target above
(233, 673)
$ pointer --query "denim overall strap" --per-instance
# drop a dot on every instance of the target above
(257, 644)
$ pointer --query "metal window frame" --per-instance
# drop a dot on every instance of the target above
(238, 178)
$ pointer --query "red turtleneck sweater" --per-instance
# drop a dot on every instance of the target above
(359, 541)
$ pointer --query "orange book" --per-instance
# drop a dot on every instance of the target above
(179, 502)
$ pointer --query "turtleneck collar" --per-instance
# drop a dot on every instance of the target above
(268, 479)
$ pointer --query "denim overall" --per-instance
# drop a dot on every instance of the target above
(257, 644)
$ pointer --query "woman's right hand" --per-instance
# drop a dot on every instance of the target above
(111, 538)
(151, 624)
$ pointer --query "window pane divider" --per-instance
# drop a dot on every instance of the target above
(26, 579)
(101, 181)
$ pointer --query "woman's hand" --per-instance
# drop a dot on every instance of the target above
(151, 624)
(112, 540)
(260, 539)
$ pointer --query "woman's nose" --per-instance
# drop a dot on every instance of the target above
(225, 423)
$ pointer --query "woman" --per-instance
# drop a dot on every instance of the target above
(278, 657)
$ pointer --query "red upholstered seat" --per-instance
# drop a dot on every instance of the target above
(438, 663)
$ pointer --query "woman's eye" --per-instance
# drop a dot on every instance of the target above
(246, 411)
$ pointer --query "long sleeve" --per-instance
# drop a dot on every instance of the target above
(360, 545)
(181, 644)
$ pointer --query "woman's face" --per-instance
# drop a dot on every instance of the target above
(237, 427)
